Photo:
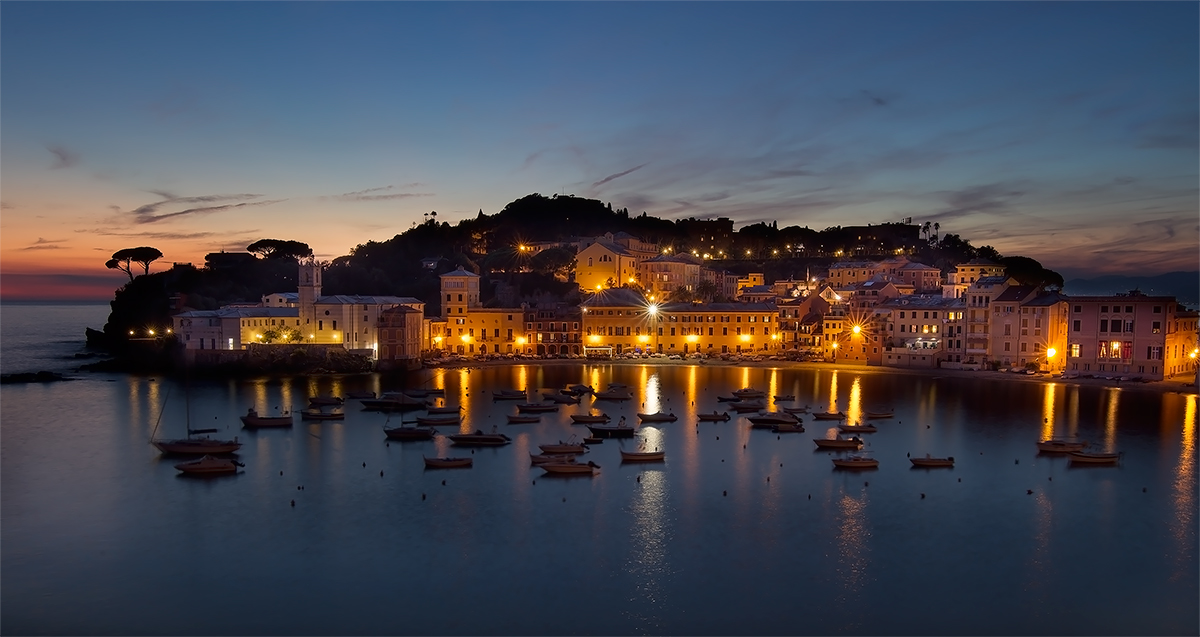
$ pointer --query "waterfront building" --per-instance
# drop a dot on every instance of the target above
(231, 327)
(1010, 326)
(400, 338)
(662, 275)
(485, 330)
(799, 323)
(1126, 335)
(459, 292)
(967, 273)
(556, 330)
(922, 330)
(605, 264)
(979, 295)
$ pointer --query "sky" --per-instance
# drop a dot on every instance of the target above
(1066, 132)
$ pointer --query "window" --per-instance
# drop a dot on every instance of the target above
(1078, 309)
(1129, 309)
(1007, 329)
(1008, 347)
(460, 298)
(1075, 325)
(1104, 325)
(1074, 350)
(1156, 326)
(901, 314)
(1129, 326)
(1104, 309)
(724, 331)
(1158, 309)
(1154, 353)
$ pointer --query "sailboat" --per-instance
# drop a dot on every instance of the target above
(192, 445)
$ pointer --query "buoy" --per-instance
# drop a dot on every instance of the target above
(388, 444)
(778, 438)
(768, 478)
(535, 481)
(960, 479)
(927, 426)
(280, 473)
(1029, 491)
(781, 464)
(718, 437)
(422, 496)
(1017, 461)
(380, 474)
(564, 499)
(722, 460)
(908, 455)
(922, 496)
(743, 446)
(364, 464)
(810, 496)
(297, 487)
(443, 483)
(639, 478)
(1143, 489)
(866, 484)
(293, 503)
(724, 493)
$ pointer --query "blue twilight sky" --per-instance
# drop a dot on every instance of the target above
(1063, 131)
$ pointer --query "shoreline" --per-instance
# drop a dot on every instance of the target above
(1169, 386)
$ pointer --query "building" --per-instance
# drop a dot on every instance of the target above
(400, 337)
(967, 273)
(554, 331)
(979, 296)
(1126, 335)
(459, 292)
(605, 264)
(662, 275)
(922, 330)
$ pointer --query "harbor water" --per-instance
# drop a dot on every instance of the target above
(331, 529)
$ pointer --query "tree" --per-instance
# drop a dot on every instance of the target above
(553, 261)
(280, 249)
(681, 295)
(707, 290)
(282, 335)
(124, 259)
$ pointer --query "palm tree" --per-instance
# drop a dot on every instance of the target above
(706, 290)
(925, 228)
(936, 228)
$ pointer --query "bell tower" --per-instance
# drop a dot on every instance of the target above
(309, 288)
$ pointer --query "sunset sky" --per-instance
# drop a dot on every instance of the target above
(1067, 132)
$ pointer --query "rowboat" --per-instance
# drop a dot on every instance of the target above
(444, 410)
(746, 406)
(855, 462)
(537, 459)
(253, 421)
(611, 431)
(393, 401)
(423, 393)
(1061, 446)
(713, 417)
(859, 428)
(929, 461)
(197, 446)
(360, 394)
(1085, 457)
(584, 419)
(570, 468)
(794, 428)
(592, 440)
(728, 399)
(749, 392)
(827, 416)
(522, 420)
(561, 399)
(563, 448)
(438, 420)
(536, 408)
(325, 400)
(313, 413)
(643, 456)
(839, 443)
(580, 389)
(784, 398)
(509, 394)
(480, 439)
(657, 417)
(768, 420)
(209, 465)
(796, 410)
(410, 433)
(447, 463)
(881, 414)
(613, 394)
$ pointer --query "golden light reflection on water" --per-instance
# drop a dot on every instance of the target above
(852, 543)
(147, 409)
(649, 537)
(1073, 411)
(1183, 525)
(653, 392)
(1048, 401)
(833, 393)
(1110, 419)
(854, 409)
(773, 386)
(745, 378)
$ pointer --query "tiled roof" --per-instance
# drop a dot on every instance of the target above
(348, 299)
(1016, 293)
(461, 272)
(910, 301)
(244, 312)
(615, 297)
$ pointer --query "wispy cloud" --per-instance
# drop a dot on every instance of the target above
(45, 244)
(382, 193)
(170, 199)
(63, 157)
(4, 205)
(206, 210)
(617, 175)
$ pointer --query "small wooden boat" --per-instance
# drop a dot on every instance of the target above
(839, 443)
(580, 389)
(196, 446)
(444, 410)
(785, 428)
(325, 400)
(592, 440)
(447, 463)
(1061, 446)
(522, 420)
(796, 410)
(891, 413)
(747, 408)
(584, 419)
(611, 431)
(855, 462)
(657, 417)
(253, 421)
(537, 408)
(728, 399)
(393, 401)
(785, 398)
(570, 468)
(479, 439)
(613, 394)
(929, 461)
(435, 391)
(563, 448)
(313, 413)
(1087, 457)
(209, 465)
(643, 456)
(768, 420)
(510, 394)
(827, 416)
(749, 392)
(859, 428)
(438, 420)
(360, 394)
(612, 386)
(538, 459)
(561, 399)
(713, 417)
(410, 433)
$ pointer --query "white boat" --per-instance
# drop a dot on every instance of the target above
(1061, 446)
(393, 401)
(537, 408)
(325, 400)
(539, 459)
(563, 448)
(209, 465)
(784, 398)
(480, 439)
(1087, 457)
(253, 421)
(510, 394)
(315, 413)
(839, 443)
(409, 433)
(749, 392)
(859, 428)
(657, 417)
(358, 395)
(796, 410)
(856, 462)
(192, 446)
(570, 468)
(447, 463)
(930, 461)
(522, 420)
(713, 417)
(828, 416)
(589, 418)
(744, 406)
(891, 413)
(620, 430)
(613, 394)
(580, 389)
(768, 420)
(641, 455)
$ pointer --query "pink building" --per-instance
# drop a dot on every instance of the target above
(1124, 335)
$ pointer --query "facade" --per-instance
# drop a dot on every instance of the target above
(459, 292)
(400, 337)
(554, 331)
(979, 296)
(231, 328)
(799, 320)
(603, 265)
(485, 330)
(663, 274)
(922, 330)
(1124, 336)
(967, 273)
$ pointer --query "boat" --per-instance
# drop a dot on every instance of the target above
(443, 410)
(584, 419)
(447, 463)
(744, 407)
(749, 392)
(208, 466)
(641, 455)
(768, 419)
(313, 413)
(253, 421)
(522, 420)
(858, 428)
(580, 389)
(360, 394)
(480, 439)
(930, 461)
(409, 433)
(619, 430)
(570, 468)
(325, 400)
(592, 440)
(510, 394)
(855, 462)
(891, 413)
(437, 420)
(1090, 457)
(839, 443)
(561, 399)
(657, 417)
(1061, 446)
(796, 410)
(786, 428)
(713, 417)
(564, 448)
(785, 398)
(192, 446)
(393, 401)
(827, 416)
(536, 408)
(538, 459)
(728, 399)
(613, 394)
(612, 386)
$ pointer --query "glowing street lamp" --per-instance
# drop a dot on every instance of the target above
(857, 329)
(1050, 352)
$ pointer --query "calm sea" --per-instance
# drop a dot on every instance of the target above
(738, 532)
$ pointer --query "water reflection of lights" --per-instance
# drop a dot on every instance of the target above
(650, 537)
(653, 394)
(1183, 526)
(854, 409)
(1073, 411)
(1041, 552)
(833, 389)
(852, 543)
(1048, 411)
(1110, 419)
